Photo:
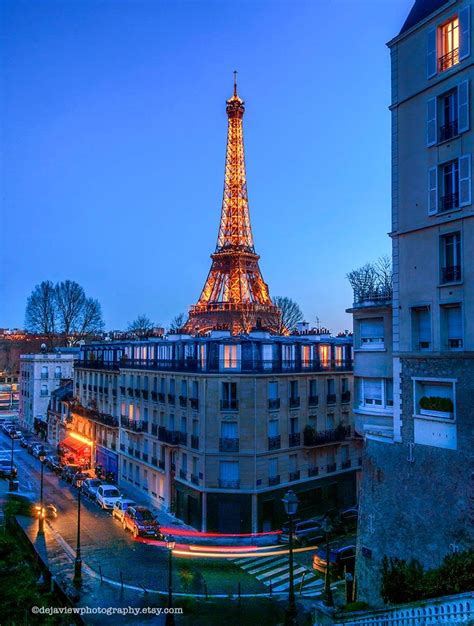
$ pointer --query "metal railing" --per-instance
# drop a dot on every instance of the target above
(294, 439)
(294, 402)
(274, 443)
(274, 404)
(331, 398)
(448, 131)
(195, 442)
(194, 403)
(294, 475)
(346, 396)
(449, 201)
(229, 444)
(273, 480)
(229, 405)
(313, 471)
(451, 274)
(183, 401)
(331, 467)
(313, 438)
(448, 60)
(313, 400)
(172, 437)
(137, 426)
(226, 483)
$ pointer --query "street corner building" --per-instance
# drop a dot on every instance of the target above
(414, 365)
(216, 422)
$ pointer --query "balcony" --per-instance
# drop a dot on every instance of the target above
(451, 274)
(274, 443)
(195, 442)
(113, 446)
(294, 475)
(294, 439)
(136, 426)
(274, 404)
(101, 389)
(183, 401)
(346, 397)
(229, 405)
(122, 447)
(154, 396)
(114, 393)
(273, 480)
(161, 397)
(331, 398)
(130, 450)
(44, 376)
(154, 461)
(130, 391)
(294, 403)
(145, 394)
(154, 430)
(183, 474)
(122, 390)
(449, 201)
(136, 454)
(161, 465)
(95, 416)
(95, 388)
(137, 393)
(448, 60)
(313, 400)
(346, 464)
(331, 467)
(324, 437)
(227, 444)
(89, 387)
(226, 483)
(172, 437)
(313, 471)
(448, 131)
(194, 402)
(195, 479)
(171, 398)
(145, 457)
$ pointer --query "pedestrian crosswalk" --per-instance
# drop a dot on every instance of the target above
(274, 572)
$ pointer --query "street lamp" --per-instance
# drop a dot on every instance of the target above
(12, 485)
(169, 616)
(291, 506)
(41, 457)
(327, 594)
(78, 561)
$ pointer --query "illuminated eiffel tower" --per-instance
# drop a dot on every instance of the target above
(235, 296)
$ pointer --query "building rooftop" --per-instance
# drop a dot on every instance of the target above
(421, 10)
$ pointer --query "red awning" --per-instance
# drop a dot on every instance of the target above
(74, 445)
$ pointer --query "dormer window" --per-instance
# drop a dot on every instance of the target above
(448, 44)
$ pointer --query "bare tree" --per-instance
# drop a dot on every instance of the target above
(91, 321)
(291, 313)
(70, 300)
(178, 322)
(41, 313)
(372, 280)
(141, 326)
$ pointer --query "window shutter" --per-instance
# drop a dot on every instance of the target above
(463, 106)
(431, 53)
(273, 428)
(229, 430)
(371, 329)
(433, 190)
(465, 33)
(373, 388)
(431, 122)
(465, 180)
(454, 322)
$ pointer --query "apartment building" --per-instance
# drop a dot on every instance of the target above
(217, 428)
(417, 489)
(40, 374)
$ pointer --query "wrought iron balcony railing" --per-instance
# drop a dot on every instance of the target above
(172, 437)
(229, 444)
(136, 426)
(331, 467)
(294, 475)
(313, 471)
(346, 464)
(95, 416)
(226, 483)
(171, 398)
(273, 480)
(183, 474)
(451, 274)
(448, 131)
(195, 479)
(183, 401)
(449, 201)
(294, 440)
(154, 396)
(195, 442)
(448, 60)
(331, 398)
(161, 397)
(229, 405)
(274, 404)
(194, 403)
(161, 464)
(294, 402)
(313, 400)
(321, 438)
(274, 443)
(346, 396)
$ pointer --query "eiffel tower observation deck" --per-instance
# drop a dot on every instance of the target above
(235, 297)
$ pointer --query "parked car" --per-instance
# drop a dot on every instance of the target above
(68, 472)
(30, 445)
(348, 519)
(304, 532)
(15, 434)
(6, 468)
(339, 559)
(37, 449)
(25, 440)
(120, 507)
(6, 427)
(90, 486)
(107, 496)
(54, 463)
(79, 476)
(141, 522)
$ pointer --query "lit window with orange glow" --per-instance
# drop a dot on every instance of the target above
(324, 355)
(306, 356)
(449, 44)
(230, 357)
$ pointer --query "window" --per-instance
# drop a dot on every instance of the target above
(294, 426)
(273, 390)
(448, 115)
(293, 463)
(433, 398)
(421, 328)
(229, 430)
(44, 390)
(230, 356)
(331, 383)
(454, 182)
(172, 386)
(375, 393)
(229, 476)
(305, 356)
(195, 428)
(195, 387)
(288, 356)
(325, 355)
(371, 333)
(313, 388)
(294, 390)
(184, 388)
(450, 186)
(184, 462)
(183, 424)
(451, 319)
(267, 356)
(448, 44)
(272, 468)
(273, 428)
(229, 395)
(57, 371)
(451, 257)
(44, 372)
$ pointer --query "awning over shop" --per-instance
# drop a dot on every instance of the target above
(75, 446)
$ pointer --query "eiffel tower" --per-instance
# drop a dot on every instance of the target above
(235, 296)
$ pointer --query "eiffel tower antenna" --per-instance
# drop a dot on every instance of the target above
(235, 296)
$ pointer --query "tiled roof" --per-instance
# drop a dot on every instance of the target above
(420, 10)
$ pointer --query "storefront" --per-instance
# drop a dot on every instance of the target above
(76, 450)
(108, 460)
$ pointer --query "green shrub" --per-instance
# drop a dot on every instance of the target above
(436, 403)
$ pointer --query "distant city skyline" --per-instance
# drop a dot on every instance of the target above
(114, 131)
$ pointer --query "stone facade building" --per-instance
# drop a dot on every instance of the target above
(417, 489)
(217, 428)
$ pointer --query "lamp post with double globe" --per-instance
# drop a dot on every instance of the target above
(291, 506)
(170, 544)
(78, 561)
(41, 457)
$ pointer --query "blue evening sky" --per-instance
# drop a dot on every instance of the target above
(113, 143)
